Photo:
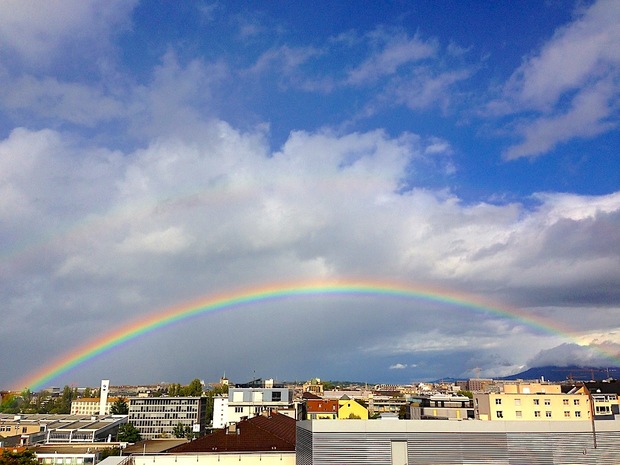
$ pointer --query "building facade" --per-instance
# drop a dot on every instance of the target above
(532, 402)
(156, 417)
(247, 401)
(91, 406)
(422, 442)
(441, 407)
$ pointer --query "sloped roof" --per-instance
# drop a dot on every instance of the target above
(322, 406)
(261, 433)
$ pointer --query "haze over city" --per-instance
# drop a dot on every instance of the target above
(156, 154)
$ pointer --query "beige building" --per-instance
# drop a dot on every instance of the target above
(532, 402)
(91, 405)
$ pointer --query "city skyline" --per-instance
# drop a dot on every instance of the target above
(156, 156)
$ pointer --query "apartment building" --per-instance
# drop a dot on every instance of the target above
(334, 409)
(249, 400)
(156, 417)
(532, 402)
(441, 407)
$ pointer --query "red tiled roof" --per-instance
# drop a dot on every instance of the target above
(261, 433)
(322, 406)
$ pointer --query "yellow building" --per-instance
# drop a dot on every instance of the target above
(532, 402)
(90, 406)
(348, 409)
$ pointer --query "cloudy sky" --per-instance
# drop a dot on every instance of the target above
(154, 153)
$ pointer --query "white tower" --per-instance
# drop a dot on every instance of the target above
(103, 395)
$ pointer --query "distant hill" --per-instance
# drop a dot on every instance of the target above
(555, 373)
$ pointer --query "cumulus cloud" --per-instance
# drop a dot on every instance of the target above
(224, 212)
(398, 366)
(571, 354)
(101, 226)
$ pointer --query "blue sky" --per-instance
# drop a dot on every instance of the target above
(154, 152)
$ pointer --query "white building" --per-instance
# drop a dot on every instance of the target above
(220, 408)
(249, 400)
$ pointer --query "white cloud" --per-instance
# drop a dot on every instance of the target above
(570, 354)
(571, 84)
(577, 54)
(284, 59)
(398, 366)
(76, 103)
(186, 217)
(397, 51)
(588, 116)
(39, 31)
(426, 88)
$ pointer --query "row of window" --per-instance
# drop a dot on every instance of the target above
(66, 460)
(538, 414)
(498, 401)
(163, 401)
(8, 428)
(257, 410)
(164, 408)
(160, 423)
(165, 416)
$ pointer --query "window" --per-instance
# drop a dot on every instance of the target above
(498, 401)
(500, 414)
(536, 401)
(566, 414)
(548, 413)
(518, 413)
(577, 413)
(537, 413)
(576, 402)
(603, 410)
(565, 401)
(547, 401)
(517, 401)
(276, 396)
(238, 409)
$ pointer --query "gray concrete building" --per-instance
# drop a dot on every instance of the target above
(156, 417)
(423, 442)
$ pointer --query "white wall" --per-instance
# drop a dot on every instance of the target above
(266, 458)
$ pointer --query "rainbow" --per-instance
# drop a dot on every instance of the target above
(247, 297)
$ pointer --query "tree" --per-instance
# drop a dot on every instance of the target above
(10, 403)
(88, 392)
(328, 386)
(26, 457)
(119, 407)
(194, 389)
(128, 433)
(181, 431)
(63, 403)
(112, 451)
